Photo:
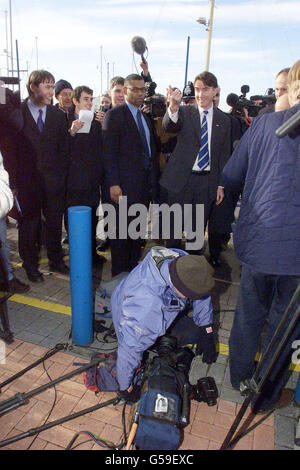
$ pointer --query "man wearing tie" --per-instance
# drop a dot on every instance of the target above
(41, 170)
(131, 165)
(192, 175)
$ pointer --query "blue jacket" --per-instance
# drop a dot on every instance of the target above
(267, 234)
(143, 306)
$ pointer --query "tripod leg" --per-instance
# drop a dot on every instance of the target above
(34, 431)
(270, 355)
(58, 347)
(236, 423)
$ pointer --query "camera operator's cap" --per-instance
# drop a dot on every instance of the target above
(61, 85)
(188, 92)
(192, 276)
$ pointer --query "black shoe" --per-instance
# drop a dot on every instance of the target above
(215, 262)
(35, 276)
(15, 286)
(61, 268)
(103, 245)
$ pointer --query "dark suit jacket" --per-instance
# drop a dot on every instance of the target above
(42, 161)
(123, 155)
(86, 167)
(181, 162)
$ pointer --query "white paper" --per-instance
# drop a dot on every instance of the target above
(86, 117)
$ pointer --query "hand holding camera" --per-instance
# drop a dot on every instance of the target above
(100, 115)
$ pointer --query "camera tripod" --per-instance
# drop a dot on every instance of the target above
(253, 388)
(22, 398)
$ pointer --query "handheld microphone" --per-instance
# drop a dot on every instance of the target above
(139, 46)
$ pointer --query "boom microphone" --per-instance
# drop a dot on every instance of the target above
(288, 126)
(139, 46)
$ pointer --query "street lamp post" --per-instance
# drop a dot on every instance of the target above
(209, 26)
(11, 40)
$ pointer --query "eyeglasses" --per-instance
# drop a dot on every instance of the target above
(136, 89)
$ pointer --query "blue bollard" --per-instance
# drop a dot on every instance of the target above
(80, 250)
(297, 392)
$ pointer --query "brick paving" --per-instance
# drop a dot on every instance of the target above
(207, 429)
(38, 327)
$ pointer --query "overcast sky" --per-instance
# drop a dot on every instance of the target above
(252, 40)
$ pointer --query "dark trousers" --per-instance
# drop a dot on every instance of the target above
(94, 224)
(30, 232)
(126, 253)
(195, 192)
(262, 298)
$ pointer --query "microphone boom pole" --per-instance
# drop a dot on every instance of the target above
(288, 126)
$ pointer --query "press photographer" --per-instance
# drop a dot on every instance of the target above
(242, 108)
(155, 103)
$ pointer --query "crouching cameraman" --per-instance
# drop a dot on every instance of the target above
(147, 301)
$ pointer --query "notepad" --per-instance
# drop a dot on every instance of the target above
(86, 117)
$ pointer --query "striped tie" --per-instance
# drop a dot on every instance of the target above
(203, 157)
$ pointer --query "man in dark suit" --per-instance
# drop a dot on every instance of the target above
(42, 166)
(86, 165)
(131, 165)
(192, 175)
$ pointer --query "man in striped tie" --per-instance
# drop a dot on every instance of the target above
(192, 175)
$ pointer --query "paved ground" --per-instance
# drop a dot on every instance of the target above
(42, 318)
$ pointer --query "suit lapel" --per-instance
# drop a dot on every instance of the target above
(131, 122)
(196, 123)
(133, 126)
(48, 119)
(216, 133)
(29, 121)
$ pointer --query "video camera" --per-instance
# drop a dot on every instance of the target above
(267, 99)
(156, 103)
(240, 103)
(181, 358)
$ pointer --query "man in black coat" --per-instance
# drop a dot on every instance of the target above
(42, 166)
(131, 165)
(192, 175)
(86, 161)
(63, 94)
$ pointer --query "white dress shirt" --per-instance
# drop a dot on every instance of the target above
(209, 118)
(35, 111)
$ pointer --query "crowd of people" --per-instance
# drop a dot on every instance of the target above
(194, 155)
